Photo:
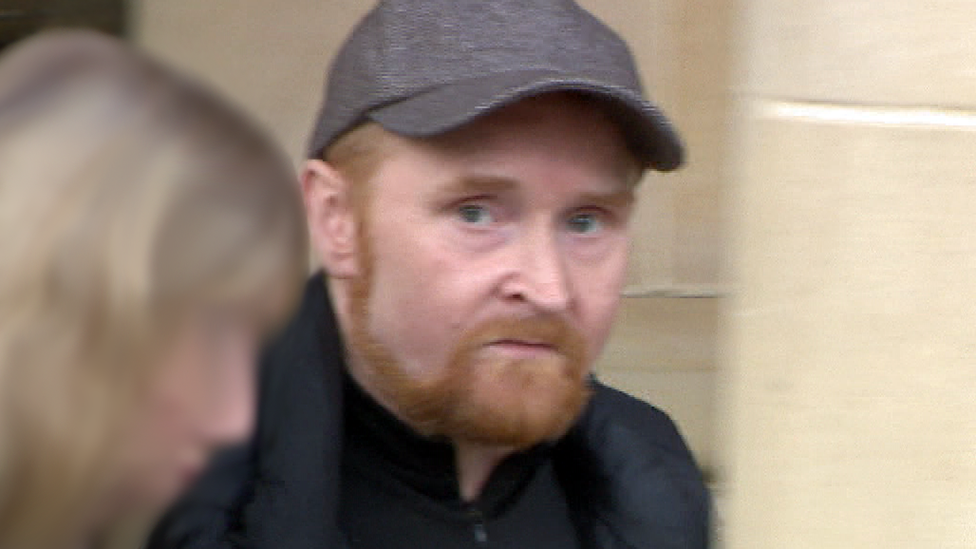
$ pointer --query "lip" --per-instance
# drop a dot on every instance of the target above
(524, 349)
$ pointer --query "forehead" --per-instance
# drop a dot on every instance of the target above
(554, 136)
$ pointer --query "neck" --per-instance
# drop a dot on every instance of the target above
(475, 464)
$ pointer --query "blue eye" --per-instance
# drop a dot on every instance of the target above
(474, 214)
(585, 223)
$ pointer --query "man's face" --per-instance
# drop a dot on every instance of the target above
(491, 264)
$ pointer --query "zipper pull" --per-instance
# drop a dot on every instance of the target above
(478, 525)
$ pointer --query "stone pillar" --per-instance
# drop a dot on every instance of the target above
(850, 342)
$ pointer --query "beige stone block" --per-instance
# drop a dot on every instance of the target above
(860, 51)
(699, 229)
(851, 338)
(662, 350)
(270, 57)
(663, 334)
(700, 83)
(686, 396)
(684, 55)
(651, 261)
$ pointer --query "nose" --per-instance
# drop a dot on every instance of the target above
(539, 276)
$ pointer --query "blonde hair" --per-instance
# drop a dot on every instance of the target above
(128, 196)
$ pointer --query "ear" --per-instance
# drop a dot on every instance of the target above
(331, 218)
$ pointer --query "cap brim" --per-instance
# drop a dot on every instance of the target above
(441, 109)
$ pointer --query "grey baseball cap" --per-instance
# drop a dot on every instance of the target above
(424, 67)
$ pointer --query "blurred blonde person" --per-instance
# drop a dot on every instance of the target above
(150, 238)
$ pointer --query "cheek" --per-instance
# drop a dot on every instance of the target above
(601, 323)
(151, 448)
(166, 414)
(419, 297)
(172, 402)
(598, 294)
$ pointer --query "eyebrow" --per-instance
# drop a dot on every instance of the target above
(477, 184)
(482, 184)
(622, 198)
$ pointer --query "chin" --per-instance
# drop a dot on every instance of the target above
(521, 417)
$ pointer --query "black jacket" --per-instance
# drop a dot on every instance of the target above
(630, 480)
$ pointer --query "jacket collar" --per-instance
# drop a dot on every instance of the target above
(388, 449)
(629, 478)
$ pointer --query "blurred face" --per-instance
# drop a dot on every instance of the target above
(201, 398)
(491, 265)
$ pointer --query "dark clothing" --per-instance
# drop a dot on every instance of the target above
(408, 484)
(623, 475)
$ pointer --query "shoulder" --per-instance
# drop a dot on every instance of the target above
(301, 366)
(639, 481)
(303, 338)
(301, 379)
(619, 415)
(282, 485)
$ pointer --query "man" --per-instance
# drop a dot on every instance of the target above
(469, 191)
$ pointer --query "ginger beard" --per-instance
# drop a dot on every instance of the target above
(477, 397)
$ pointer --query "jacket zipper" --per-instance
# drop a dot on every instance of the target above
(477, 519)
